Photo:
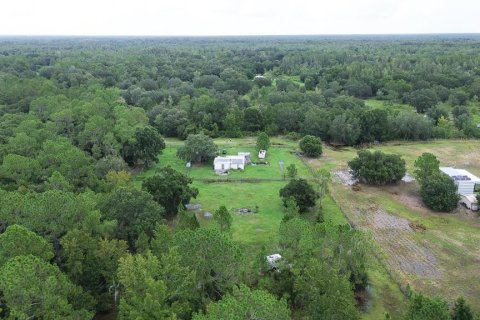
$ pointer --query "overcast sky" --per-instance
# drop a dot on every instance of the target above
(237, 17)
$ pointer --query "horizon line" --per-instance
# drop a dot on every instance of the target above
(237, 35)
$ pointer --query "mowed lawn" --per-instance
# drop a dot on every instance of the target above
(450, 246)
(255, 187)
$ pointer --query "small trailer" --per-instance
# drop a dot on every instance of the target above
(469, 201)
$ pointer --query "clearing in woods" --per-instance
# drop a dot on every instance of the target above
(259, 186)
(435, 253)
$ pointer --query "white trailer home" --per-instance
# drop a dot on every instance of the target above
(466, 182)
(223, 164)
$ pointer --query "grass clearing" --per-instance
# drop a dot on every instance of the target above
(451, 238)
(257, 230)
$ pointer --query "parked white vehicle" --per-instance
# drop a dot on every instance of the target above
(469, 201)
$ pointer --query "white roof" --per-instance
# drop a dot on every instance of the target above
(244, 153)
(230, 159)
(459, 174)
(274, 258)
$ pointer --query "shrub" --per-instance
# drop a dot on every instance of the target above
(377, 167)
(301, 191)
(311, 146)
(439, 193)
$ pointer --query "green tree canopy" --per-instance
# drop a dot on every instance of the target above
(135, 211)
(424, 308)
(301, 191)
(439, 193)
(223, 218)
(198, 148)
(311, 146)
(170, 189)
(263, 141)
(426, 166)
(377, 167)
(245, 303)
(33, 288)
(19, 241)
(324, 293)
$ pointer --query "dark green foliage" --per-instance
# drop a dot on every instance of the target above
(425, 308)
(198, 148)
(263, 141)
(187, 220)
(345, 130)
(311, 146)
(155, 287)
(170, 189)
(135, 211)
(19, 241)
(302, 192)
(33, 288)
(214, 257)
(292, 171)
(439, 193)
(324, 293)
(412, 126)
(423, 99)
(377, 167)
(461, 310)
(223, 218)
(243, 303)
(426, 166)
(147, 146)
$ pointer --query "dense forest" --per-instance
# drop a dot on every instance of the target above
(79, 117)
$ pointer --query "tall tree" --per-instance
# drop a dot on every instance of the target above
(135, 211)
(19, 241)
(300, 190)
(223, 218)
(170, 189)
(245, 303)
(33, 288)
(426, 166)
(147, 146)
(198, 148)
(324, 293)
(263, 141)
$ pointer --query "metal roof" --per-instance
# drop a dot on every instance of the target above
(459, 174)
(230, 159)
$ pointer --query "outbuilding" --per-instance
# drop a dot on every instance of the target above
(223, 164)
(466, 182)
(262, 154)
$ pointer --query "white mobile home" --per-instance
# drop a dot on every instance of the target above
(247, 156)
(222, 164)
(466, 182)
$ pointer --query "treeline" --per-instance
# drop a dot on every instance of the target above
(241, 86)
(78, 117)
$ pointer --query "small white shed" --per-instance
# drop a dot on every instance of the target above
(273, 259)
(466, 182)
(222, 164)
(262, 154)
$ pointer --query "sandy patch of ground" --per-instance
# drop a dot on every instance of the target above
(393, 234)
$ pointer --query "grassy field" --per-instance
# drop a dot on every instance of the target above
(444, 259)
(260, 229)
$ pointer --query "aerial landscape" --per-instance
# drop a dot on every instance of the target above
(239, 174)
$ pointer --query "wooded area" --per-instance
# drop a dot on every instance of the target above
(80, 117)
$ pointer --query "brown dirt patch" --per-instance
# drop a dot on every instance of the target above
(394, 235)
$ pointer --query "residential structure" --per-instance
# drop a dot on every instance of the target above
(466, 182)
